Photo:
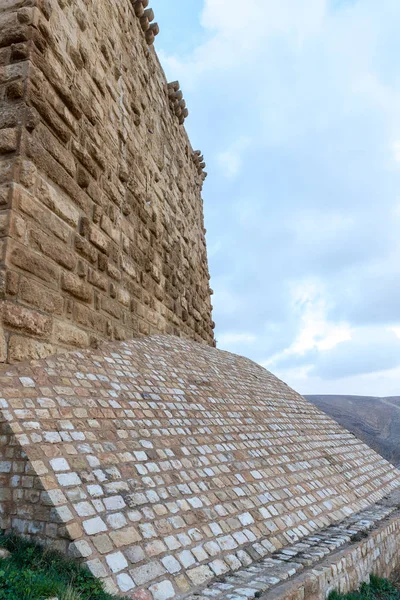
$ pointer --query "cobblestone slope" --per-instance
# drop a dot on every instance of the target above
(165, 463)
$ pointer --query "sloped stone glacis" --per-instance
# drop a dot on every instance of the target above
(164, 463)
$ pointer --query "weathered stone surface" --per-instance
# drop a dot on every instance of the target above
(22, 348)
(6, 171)
(3, 345)
(43, 298)
(166, 465)
(8, 140)
(33, 263)
(76, 287)
(25, 320)
(69, 335)
(103, 188)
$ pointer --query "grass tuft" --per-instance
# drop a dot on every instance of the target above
(33, 572)
(377, 589)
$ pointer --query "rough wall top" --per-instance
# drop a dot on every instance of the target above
(146, 16)
(165, 463)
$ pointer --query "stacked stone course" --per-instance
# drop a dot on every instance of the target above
(177, 101)
(102, 233)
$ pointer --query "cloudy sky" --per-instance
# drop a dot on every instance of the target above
(296, 106)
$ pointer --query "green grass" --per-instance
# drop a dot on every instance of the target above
(378, 589)
(33, 572)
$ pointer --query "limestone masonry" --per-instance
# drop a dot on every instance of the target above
(166, 465)
(100, 191)
(173, 470)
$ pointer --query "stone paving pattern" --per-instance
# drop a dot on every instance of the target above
(376, 551)
(260, 577)
(166, 464)
(101, 217)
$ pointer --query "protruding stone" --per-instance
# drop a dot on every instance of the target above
(144, 23)
(150, 37)
(8, 140)
(138, 8)
(149, 14)
(4, 553)
(155, 28)
(178, 95)
(175, 85)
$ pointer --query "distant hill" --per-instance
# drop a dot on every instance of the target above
(374, 420)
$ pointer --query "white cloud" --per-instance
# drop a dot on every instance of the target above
(377, 383)
(315, 332)
(303, 219)
(396, 330)
(262, 18)
(230, 160)
(229, 302)
(396, 151)
(228, 339)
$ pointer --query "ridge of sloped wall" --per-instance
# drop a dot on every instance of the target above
(174, 463)
(13, 73)
(101, 212)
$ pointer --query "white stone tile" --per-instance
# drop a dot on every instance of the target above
(93, 526)
(125, 583)
(171, 564)
(162, 590)
(117, 562)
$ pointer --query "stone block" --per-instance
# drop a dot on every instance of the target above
(76, 287)
(135, 554)
(40, 297)
(6, 171)
(103, 544)
(125, 582)
(85, 249)
(147, 572)
(69, 335)
(162, 590)
(98, 239)
(200, 575)
(53, 249)
(8, 140)
(25, 320)
(93, 526)
(59, 204)
(97, 568)
(3, 345)
(5, 194)
(171, 564)
(125, 537)
(117, 562)
(28, 261)
(22, 348)
(31, 206)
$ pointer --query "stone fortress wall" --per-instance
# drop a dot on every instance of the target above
(172, 469)
(100, 190)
